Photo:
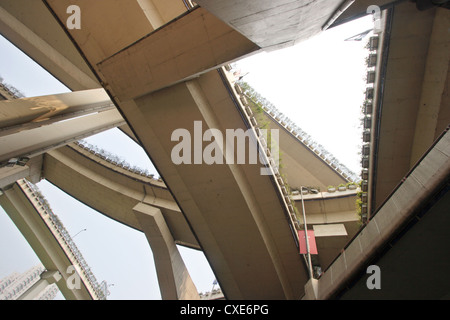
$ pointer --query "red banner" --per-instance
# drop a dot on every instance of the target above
(311, 240)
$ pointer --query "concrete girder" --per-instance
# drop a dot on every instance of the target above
(46, 278)
(31, 171)
(39, 140)
(434, 84)
(187, 46)
(29, 113)
(31, 27)
(301, 165)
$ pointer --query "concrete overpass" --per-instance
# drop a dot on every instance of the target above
(49, 110)
(411, 103)
(142, 96)
(178, 85)
(51, 243)
(406, 166)
(406, 106)
(33, 113)
(78, 170)
(406, 238)
(31, 126)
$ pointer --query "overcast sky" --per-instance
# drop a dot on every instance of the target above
(319, 84)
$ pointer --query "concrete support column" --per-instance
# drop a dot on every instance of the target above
(47, 278)
(174, 280)
(151, 12)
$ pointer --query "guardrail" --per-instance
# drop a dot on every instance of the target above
(294, 222)
(283, 120)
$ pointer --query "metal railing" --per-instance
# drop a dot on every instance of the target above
(276, 115)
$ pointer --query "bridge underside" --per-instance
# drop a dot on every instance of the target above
(161, 72)
(23, 212)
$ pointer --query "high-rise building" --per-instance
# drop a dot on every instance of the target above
(12, 287)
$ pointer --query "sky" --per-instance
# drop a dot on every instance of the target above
(319, 84)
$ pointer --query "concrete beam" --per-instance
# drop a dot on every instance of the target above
(99, 39)
(47, 278)
(32, 171)
(175, 282)
(39, 140)
(400, 97)
(187, 46)
(193, 44)
(31, 27)
(29, 113)
(160, 12)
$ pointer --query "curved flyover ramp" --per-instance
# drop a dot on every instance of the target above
(112, 190)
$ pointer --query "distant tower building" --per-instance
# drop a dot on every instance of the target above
(14, 285)
(214, 294)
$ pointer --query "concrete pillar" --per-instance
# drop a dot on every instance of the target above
(174, 280)
(47, 278)
(160, 12)
(151, 12)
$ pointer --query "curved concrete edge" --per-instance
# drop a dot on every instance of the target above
(420, 184)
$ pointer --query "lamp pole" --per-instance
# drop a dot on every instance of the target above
(308, 252)
(78, 233)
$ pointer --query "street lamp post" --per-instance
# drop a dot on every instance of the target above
(308, 252)
(78, 233)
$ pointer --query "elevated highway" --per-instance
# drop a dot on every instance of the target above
(78, 170)
(407, 238)
(409, 108)
(222, 216)
(31, 126)
(51, 242)
(241, 219)
(159, 90)
(406, 165)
